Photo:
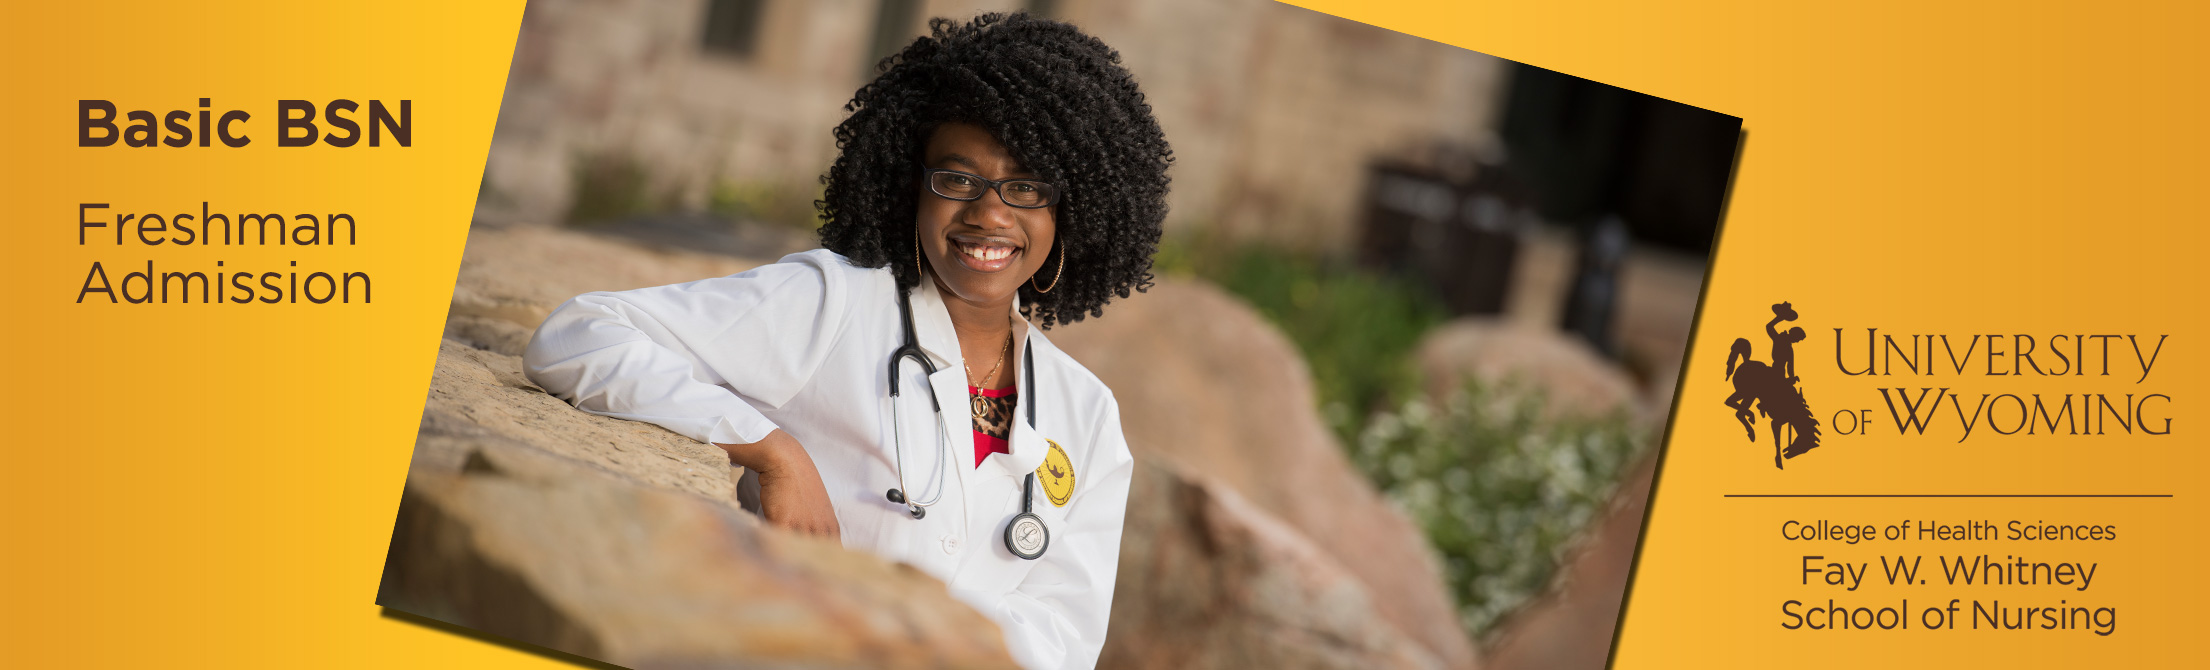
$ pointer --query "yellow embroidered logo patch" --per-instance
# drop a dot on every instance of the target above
(1056, 475)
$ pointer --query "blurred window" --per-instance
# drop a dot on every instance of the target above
(732, 26)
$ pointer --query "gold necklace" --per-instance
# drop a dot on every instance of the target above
(994, 368)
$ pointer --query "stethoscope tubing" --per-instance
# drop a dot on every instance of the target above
(911, 348)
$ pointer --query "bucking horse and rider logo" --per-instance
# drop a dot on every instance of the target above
(1772, 389)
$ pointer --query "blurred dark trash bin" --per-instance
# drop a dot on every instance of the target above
(1458, 237)
(1593, 299)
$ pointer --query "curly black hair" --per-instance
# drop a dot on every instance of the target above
(1060, 102)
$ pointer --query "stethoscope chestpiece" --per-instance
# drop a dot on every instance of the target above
(1026, 536)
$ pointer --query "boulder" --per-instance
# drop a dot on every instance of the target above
(1207, 385)
(1576, 380)
(1658, 291)
(482, 394)
(517, 274)
(1208, 579)
(621, 541)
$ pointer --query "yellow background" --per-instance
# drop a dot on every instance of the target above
(214, 485)
(1952, 168)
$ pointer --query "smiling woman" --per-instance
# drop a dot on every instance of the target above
(986, 236)
(1032, 96)
(998, 169)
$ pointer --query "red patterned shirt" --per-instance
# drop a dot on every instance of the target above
(993, 413)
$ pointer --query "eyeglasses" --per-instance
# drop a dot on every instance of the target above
(964, 187)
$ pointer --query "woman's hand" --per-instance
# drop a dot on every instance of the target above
(791, 495)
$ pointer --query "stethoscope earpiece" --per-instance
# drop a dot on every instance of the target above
(898, 497)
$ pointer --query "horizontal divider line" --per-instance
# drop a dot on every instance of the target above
(1946, 495)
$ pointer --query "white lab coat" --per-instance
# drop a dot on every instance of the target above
(804, 345)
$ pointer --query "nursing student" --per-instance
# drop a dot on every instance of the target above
(997, 173)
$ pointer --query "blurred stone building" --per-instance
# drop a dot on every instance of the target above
(1274, 111)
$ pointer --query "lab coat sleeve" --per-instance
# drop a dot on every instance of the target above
(663, 355)
(1057, 617)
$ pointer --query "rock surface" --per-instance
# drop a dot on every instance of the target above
(483, 394)
(1251, 542)
(1576, 379)
(621, 541)
(518, 274)
(1210, 580)
(1207, 385)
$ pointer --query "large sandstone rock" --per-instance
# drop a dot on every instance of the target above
(1210, 580)
(621, 541)
(518, 274)
(1206, 388)
(1206, 384)
(1575, 379)
(477, 395)
(1658, 290)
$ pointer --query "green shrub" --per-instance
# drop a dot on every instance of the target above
(1356, 330)
(609, 188)
(1500, 490)
(770, 202)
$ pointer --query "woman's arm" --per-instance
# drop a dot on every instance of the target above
(662, 355)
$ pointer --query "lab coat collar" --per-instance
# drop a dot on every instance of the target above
(932, 325)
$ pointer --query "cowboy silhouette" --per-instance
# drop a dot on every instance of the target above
(1784, 349)
(1773, 389)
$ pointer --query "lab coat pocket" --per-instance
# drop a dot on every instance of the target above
(995, 569)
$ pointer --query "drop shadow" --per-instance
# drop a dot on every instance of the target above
(1680, 385)
(487, 638)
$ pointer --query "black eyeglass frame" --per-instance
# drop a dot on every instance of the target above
(1050, 190)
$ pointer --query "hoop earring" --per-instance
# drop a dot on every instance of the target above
(916, 258)
(1055, 274)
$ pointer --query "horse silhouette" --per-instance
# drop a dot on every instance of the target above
(1776, 397)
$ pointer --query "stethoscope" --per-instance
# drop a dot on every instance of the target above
(1026, 536)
